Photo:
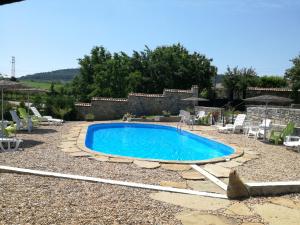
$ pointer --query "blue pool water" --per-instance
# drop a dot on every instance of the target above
(148, 141)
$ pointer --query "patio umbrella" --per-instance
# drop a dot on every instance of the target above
(29, 91)
(195, 99)
(7, 84)
(268, 99)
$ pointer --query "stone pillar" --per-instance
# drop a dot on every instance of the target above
(195, 90)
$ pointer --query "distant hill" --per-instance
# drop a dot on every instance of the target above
(63, 75)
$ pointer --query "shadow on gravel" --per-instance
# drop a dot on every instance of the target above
(30, 143)
(38, 131)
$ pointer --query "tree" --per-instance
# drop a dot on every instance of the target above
(149, 71)
(248, 77)
(272, 82)
(230, 81)
(236, 81)
(293, 75)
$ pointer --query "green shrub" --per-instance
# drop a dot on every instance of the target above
(89, 117)
(166, 113)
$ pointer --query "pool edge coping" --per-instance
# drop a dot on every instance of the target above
(80, 142)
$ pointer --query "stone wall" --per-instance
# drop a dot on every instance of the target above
(208, 109)
(278, 115)
(137, 104)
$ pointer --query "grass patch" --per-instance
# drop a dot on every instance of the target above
(41, 85)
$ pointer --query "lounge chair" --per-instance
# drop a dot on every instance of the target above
(24, 115)
(266, 124)
(237, 126)
(279, 137)
(258, 131)
(21, 124)
(200, 115)
(292, 142)
(185, 117)
(49, 119)
(9, 144)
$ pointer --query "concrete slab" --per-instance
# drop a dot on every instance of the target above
(80, 154)
(240, 209)
(120, 160)
(216, 170)
(146, 164)
(100, 158)
(241, 159)
(191, 202)
(205, 186)
(229, 164)
(293, 204)
(193, 218)
(277, 214)
(175, 167)
(192, 175)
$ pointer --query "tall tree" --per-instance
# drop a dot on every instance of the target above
(149, 71)
(236, 81)
(293, 75)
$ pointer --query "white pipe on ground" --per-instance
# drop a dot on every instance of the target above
(8, 169)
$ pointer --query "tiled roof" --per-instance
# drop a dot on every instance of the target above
(83, 104)
(146, 95)
(177, 91)
(269, 89)
(109, 99)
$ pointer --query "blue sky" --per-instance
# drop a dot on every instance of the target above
(52, 34)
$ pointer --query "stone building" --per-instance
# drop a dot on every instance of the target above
(138, 104)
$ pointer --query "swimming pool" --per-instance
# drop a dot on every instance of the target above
(152, 142)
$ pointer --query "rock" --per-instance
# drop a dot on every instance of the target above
(120, 160)
(239, 209)
(173, 184)
(216, 170)
(191, 201)
(286, 202)
(205, 186)
(146, 164)
(192, 175)
(236, 189)
(277, 214)
(175, 167)
(193, 218)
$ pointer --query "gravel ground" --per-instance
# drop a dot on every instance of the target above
(275, 162)
(28, 199)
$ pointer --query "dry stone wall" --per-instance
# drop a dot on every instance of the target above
(279, 115)
(137, 104)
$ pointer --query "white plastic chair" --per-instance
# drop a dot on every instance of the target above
(237, 125)
(292, 142)
(21, 124)
(9, 144)
(45, 118)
